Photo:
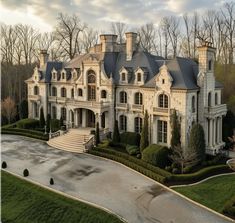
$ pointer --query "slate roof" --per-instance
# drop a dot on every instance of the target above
(183, 71)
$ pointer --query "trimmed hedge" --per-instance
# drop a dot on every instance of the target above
(25, 132)
(132, 165)
(156, 155)
(199, 175)
(132, 150)
(130, 138)
(55, 125)
(27, 124)
(229, 207)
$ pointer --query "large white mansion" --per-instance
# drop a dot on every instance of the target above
(120, 82)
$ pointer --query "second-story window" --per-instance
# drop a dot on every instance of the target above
(72, 93)
(36, 90)
(123, 97)
(91, 86)
(163, 101)
(103, 94)
(138, 98)
(54, 91)
(63, 92)
(209, 99)
(80, 92)
(216, 99)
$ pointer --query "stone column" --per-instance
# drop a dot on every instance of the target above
(211, 133)
(220, 128)
(84, 118)
(214, 132)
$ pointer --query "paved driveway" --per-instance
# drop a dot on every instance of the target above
(127, 193)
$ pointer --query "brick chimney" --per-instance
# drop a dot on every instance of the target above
(43, 57)
(130, 44)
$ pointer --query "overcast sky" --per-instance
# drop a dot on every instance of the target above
(42, 14)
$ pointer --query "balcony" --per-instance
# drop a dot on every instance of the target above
(122, 106)
(210, 112)
(161, 111)
(138, 108)
(52, 98)
(87, 104)
(34, 97)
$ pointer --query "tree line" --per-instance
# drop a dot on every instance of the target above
(173, 36)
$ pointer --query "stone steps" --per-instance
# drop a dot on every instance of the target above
(73, 141)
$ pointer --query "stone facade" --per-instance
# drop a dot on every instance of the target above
(120, 82)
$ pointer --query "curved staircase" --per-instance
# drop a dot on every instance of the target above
(73, 141)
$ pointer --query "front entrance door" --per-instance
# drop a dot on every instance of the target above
(90, 119)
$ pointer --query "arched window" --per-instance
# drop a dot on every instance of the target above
(36, 90)
(163, 101)
(63, 113)
(54, 112)
(138, 98)
(91, 79)
(79, 92)
(123, 122)
(209, 99)
(54, 91)
(103, 94)
(72, 93)
(123, 97)
(216, 99)
(138, 125)
(193, 104)
(63, 92)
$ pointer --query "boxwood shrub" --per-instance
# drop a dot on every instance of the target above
(27, 123)
(132, 150)
(156, 155)
(229, 207)
(130, 138)
(25, 132)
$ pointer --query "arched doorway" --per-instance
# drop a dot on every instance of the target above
(90, 119)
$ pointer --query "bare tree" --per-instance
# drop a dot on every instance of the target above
(188, 33)
(90, 38)
(164, 29)
(183, 158)
(148, 38)
(195, 24)
(229, 20)
(119, 29)
(68, 31)
(8, 109)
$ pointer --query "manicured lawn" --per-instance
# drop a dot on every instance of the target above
(25, 202)
(213, 193)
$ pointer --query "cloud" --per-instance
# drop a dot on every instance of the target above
(100, 12)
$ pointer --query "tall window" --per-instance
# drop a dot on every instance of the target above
(123, 122)
(163, 101)
(54, 112)
(63, 75)
(193, 104)
(138, 125)
(209, 99)
(138, 98)
(63, 92)
(54, 91)
(35, 109)
(79, 92)
(162, 131)
(63, 113)
(36, 90)
(138, 77)
(123, 97)
(91, 86)
(123, 77)
(216, 99)
(72, 93)
(210, 65)
(103, 94)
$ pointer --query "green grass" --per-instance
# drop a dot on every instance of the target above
(25, 202)
(213, 193)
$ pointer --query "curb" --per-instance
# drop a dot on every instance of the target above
(169, 189)
(211, 177)
(67, 195)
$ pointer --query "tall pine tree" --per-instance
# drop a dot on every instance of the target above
(97, 134)
(175, 130)
(48, 122)
(116, 134)
(197, 141)
(42, 118)
(144, 140)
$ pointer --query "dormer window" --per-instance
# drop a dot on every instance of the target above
(54, 75)
(138, 77)
(163, 81)
(63, 75)
(80, 92)
(123, 77)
